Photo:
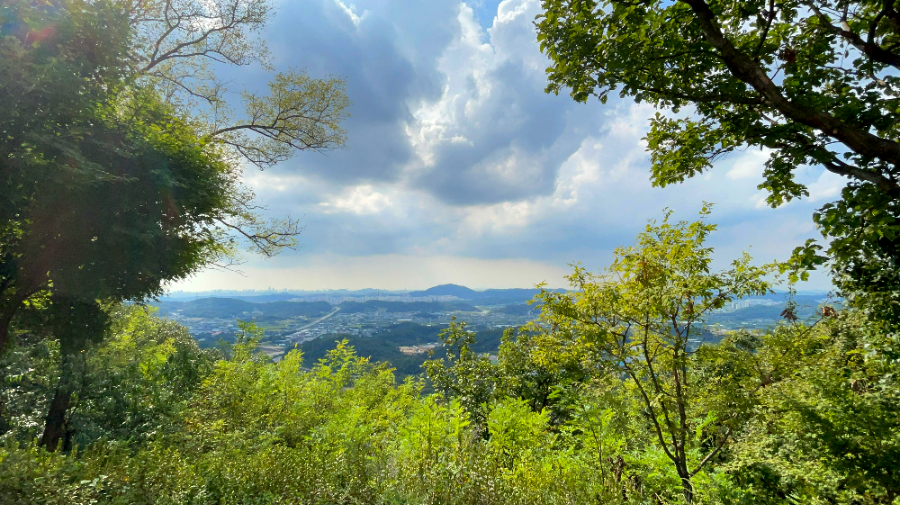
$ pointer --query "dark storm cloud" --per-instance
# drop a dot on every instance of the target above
(391, 56)
(386, 64)
(520, 126)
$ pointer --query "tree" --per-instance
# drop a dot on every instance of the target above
(108, 191)
(464, 375)
(825, 405)
(113, 183)
(53, 75)
(88, 89)
(637, 321)
(104, 196)
(812, 81)
(138, 382)
(532, 369)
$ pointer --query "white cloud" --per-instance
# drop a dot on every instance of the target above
(750, 165)
(351, 12)
(359, 200)
(463, 64)
(759, 200)
(581, 169)
(270, 182)
(827, 187)
(501, 218)
(483, 127)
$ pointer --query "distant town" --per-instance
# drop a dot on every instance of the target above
(291, 319)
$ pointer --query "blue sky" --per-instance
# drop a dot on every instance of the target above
(459, 168)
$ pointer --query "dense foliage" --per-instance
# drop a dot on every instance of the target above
(814, 82)
(600, 400)
(613, 395)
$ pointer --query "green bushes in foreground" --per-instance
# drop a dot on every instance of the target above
(824, 430)
(602, 400)
(342, 432)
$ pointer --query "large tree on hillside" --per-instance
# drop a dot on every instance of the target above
(814, 81)
(102, 198)
(111, 186)
(640, 321)
(96, 96)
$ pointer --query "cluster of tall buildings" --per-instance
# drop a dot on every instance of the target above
(743, 304)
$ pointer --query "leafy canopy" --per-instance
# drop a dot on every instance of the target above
(811, 81)
(641, 320)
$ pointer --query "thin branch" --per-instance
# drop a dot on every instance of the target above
(770, 17)
(713, 453)
(872, 50)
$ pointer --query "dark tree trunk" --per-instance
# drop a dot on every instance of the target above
(688, 490)
(6, 318)
(56, 426)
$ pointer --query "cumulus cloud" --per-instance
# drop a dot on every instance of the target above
(493, 136)
(359, 200)
(459, 168)
(750, 165)
(827, 187)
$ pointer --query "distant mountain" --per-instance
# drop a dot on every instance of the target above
(508, 296)
(258, 296)
(448, 290)
(226, 308)
(486, 297)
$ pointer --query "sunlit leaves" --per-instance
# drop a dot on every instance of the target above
(638, 320)
(812, 82)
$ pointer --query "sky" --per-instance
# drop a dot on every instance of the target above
(459, 168)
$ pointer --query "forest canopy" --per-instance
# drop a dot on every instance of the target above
(811, 82)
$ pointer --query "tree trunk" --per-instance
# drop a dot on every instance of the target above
(687, 487)
(6, 318)
(56, 424)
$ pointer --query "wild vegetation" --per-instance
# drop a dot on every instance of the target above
(598, 400)
(121, 171)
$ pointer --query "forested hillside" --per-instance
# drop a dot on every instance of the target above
(384, 347)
